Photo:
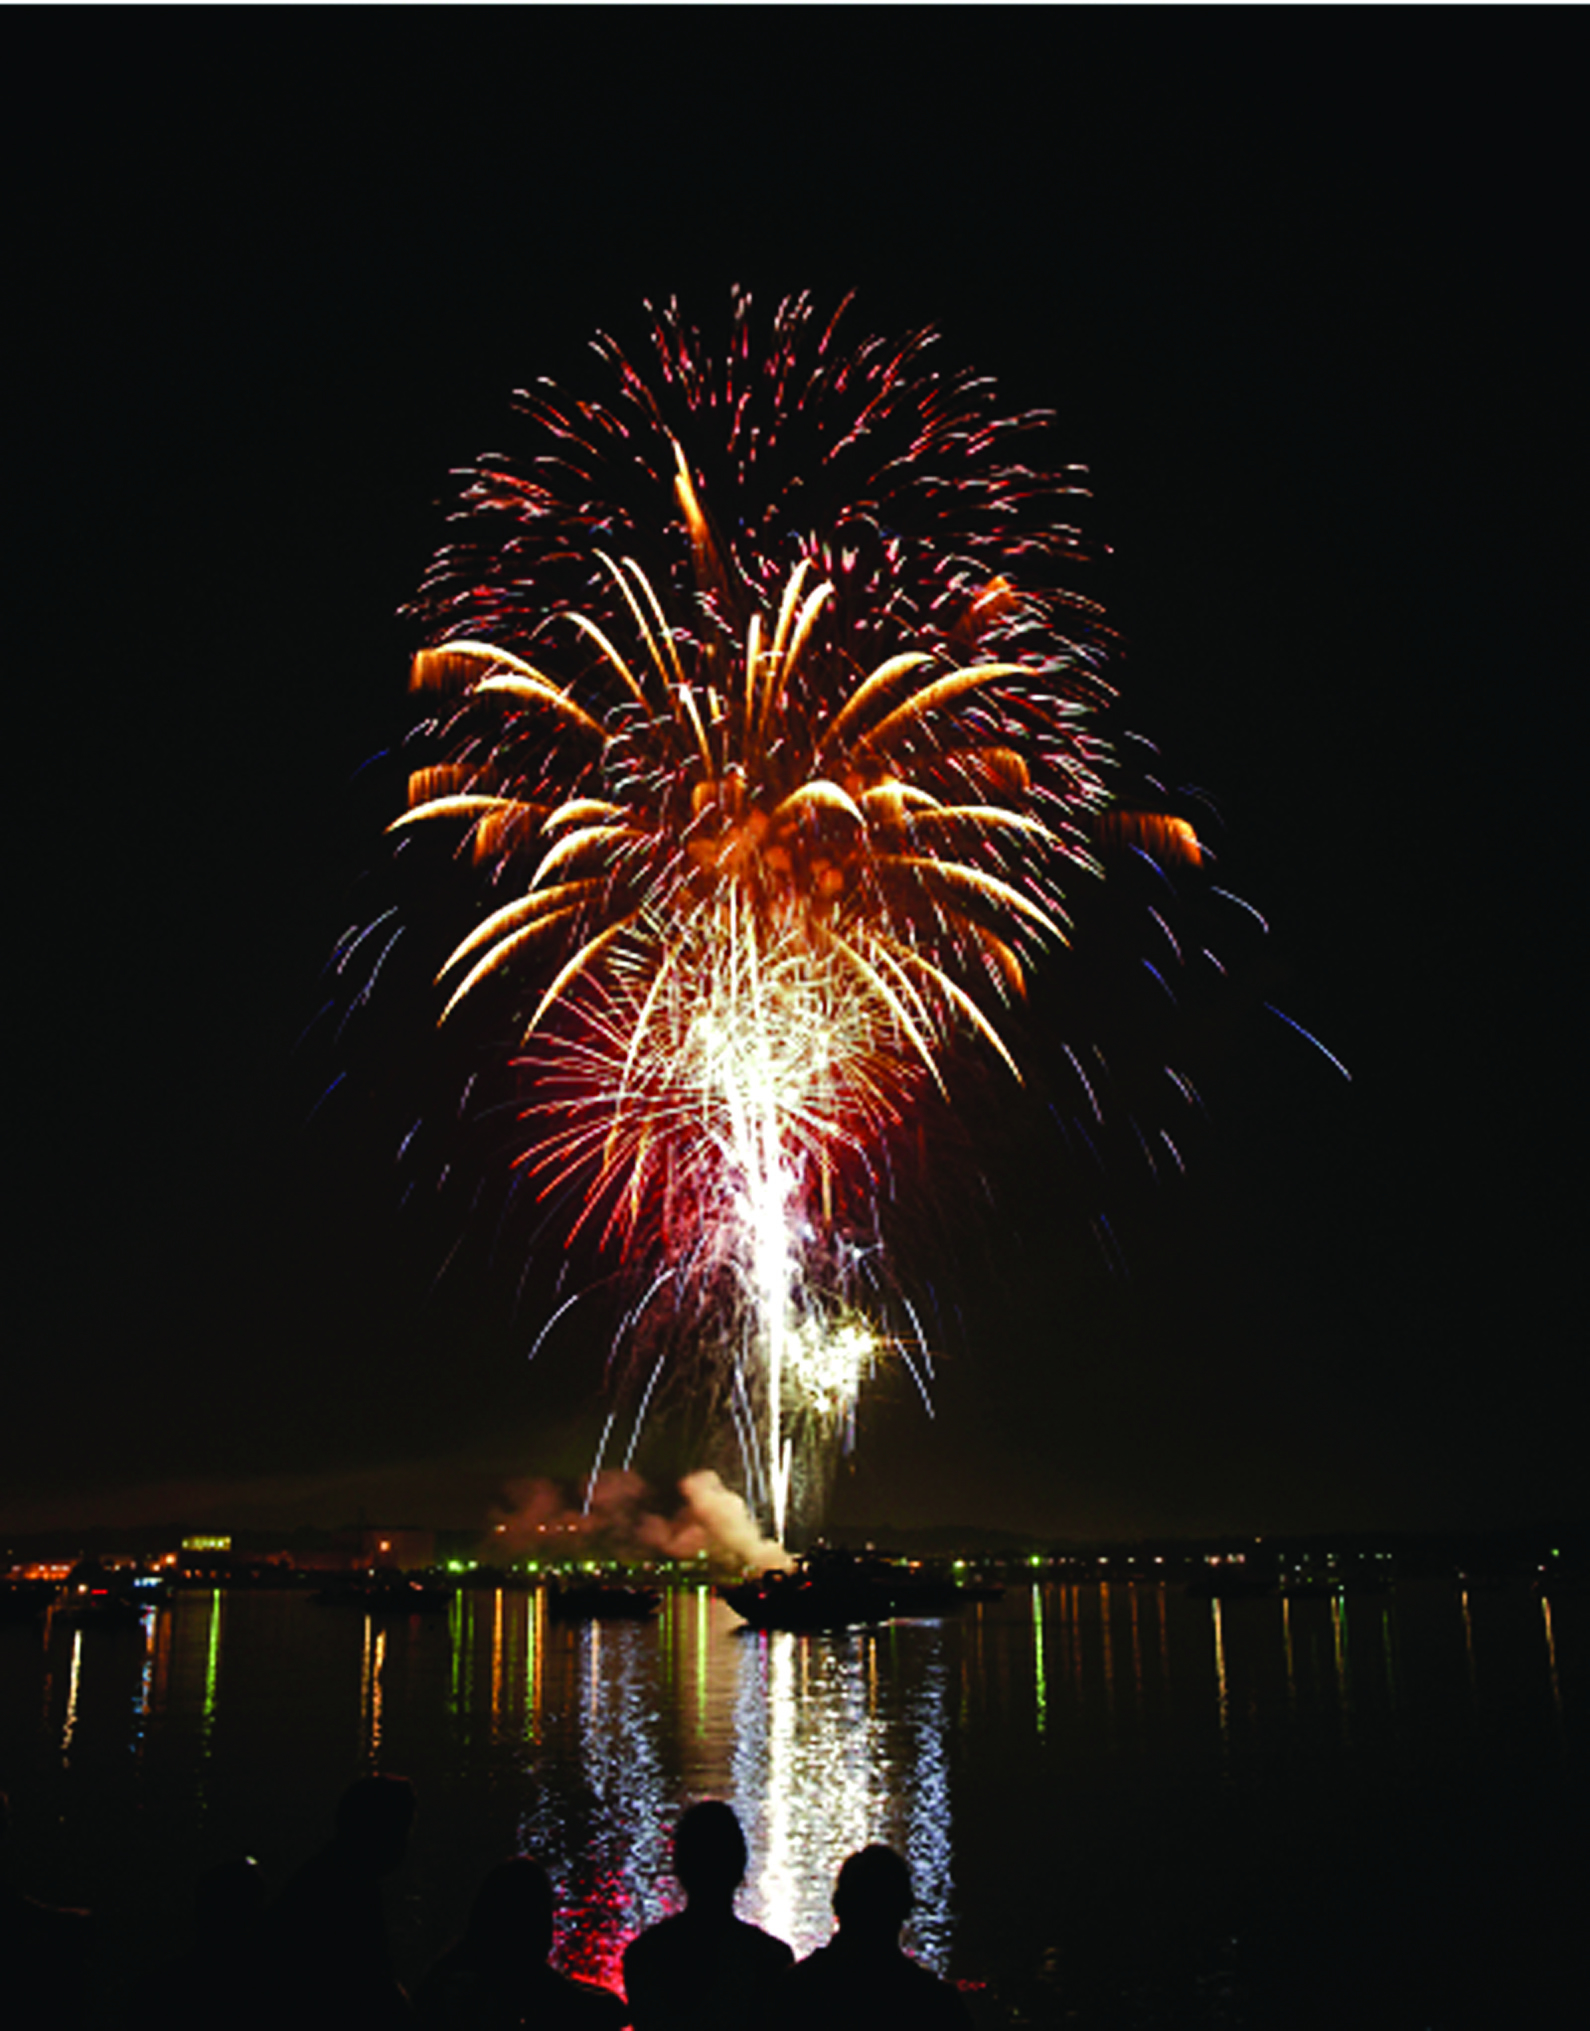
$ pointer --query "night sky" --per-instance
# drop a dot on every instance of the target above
(1298, 287)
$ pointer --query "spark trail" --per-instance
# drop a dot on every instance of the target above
(770, 730)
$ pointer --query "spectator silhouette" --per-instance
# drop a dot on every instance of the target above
(330, 1965)
(861, 1977)
(44, 1956)
(704, 1969)
(497, 1978)
(219, 1981)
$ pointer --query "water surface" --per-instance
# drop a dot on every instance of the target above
(1120, 1805)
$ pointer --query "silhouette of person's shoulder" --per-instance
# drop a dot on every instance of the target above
(690, 1971)
(842, 1990)
(681, 1940)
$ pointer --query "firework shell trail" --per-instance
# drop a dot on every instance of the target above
(761, 710)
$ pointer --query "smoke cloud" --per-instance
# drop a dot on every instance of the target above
(715, 1520)
(536, 1518)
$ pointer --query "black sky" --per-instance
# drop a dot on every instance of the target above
(1301, 288)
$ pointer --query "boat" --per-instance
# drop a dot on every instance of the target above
(835, 1589)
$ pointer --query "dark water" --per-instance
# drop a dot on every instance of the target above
(1120, 1806)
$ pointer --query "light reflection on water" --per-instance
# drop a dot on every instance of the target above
(816, 1745)
(823, 1765)
(69, 1728)
(582, 1744)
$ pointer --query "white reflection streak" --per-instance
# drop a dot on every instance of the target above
(593, 1655)
(805, 1776)
(927, 1843)
(70, 1728)
(823, 1766)
(778, 1881)
(618, 1881)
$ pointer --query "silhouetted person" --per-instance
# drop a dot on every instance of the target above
(704, 1969)
(219, 1981)
(44, 1955)
(861, 1977)
(329, 1963)
(497, 1978)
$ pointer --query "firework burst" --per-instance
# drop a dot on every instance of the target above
(759, 705)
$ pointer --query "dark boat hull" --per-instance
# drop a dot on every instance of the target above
(835, 1591)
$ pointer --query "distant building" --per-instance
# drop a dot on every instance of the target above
(205, 1557)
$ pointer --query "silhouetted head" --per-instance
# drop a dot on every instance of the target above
(228, 1901)
(511, 1917)
(709, 1850)
(374, 1815)
(872, 1896)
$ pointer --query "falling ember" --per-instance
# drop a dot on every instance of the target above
(755, 701)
